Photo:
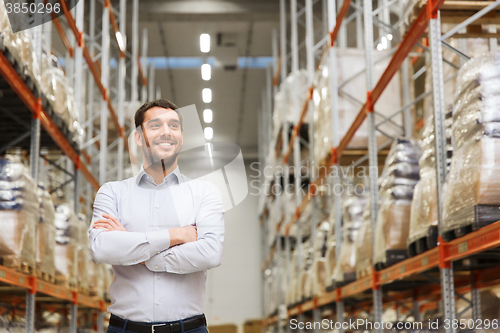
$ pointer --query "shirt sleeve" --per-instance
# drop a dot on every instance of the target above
(120, 247)
(206, 252)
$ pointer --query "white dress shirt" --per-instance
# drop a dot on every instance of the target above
(172, 284)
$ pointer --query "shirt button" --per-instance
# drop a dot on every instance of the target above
(157, 188)
(157, 229)
(158, 252)
(158, 303)
(159, 277)
(157, 207)
(180, 271)
(156, 267)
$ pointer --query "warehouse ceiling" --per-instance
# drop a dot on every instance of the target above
(174, 28)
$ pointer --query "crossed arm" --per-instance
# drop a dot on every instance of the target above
(178, 250)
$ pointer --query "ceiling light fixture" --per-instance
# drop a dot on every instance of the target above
(207, 116)
(209, 133)
(207, 95)
(206, 72)
(205, 43)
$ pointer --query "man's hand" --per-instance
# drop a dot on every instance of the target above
(109, 223)
(183, 235)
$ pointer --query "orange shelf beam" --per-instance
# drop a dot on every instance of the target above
(357, 287)
(29, 282)
(107, 3)
(478, 241)
(410, 266)
(34, 105)
(91, 64)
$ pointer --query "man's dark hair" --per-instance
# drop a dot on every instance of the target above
(162, 103)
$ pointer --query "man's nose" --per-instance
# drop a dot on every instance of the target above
(166, 130)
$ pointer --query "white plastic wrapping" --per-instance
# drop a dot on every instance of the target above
(364, 244)
(473, 178)
(399, 177)
(46, 235)
(67, 235)
(352, 213)
(473, 181)
(288, 90)
(19, 215)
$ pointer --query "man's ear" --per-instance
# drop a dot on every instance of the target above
(138, 136)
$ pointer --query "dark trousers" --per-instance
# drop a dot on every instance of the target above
(114, 329)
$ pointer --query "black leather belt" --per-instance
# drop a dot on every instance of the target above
(168, 327)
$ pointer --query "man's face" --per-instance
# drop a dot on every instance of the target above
(162, 135)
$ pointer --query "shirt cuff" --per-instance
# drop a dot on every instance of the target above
(158, 241)
(156, 263)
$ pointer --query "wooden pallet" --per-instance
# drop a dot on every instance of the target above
(45, 276)
(348, 278)
(64, 281)
(428, 242)
(470, 219)
(361, 273)
(391, 257)
(83, 290)
(17, 264)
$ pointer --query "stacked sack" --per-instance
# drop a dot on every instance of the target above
(20, 46)
(424, 204)
(305, 271)
(19, 214)
(352, 214)
(59, 93)
(67, 236)
(46, 235)
(399, 177)
(364, 244)
(292, 295)
(320, 268)
(285, 98)
(473, 178)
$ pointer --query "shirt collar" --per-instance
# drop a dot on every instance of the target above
(142, 173)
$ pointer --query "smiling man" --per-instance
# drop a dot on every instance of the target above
(160, 230)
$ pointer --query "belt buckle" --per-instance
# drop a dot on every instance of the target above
(153, 327)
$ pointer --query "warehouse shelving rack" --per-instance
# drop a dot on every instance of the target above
(368, 290)
(22, 105)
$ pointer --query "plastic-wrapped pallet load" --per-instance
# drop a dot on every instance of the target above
(423, 217)
(364, 256)
(350, 101)
(292, 287)
(66, 245)
(19, 216)
(330, 259)
(285, 97)
(305, 271)
(83, 254)
(46, 237)
(473, 196)
(54, 85)
(399, 177)
(352, 213)
(320, 264)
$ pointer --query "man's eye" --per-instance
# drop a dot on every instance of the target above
(174, 126)
(155, 126)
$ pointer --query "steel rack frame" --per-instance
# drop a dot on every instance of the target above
(438, 259)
